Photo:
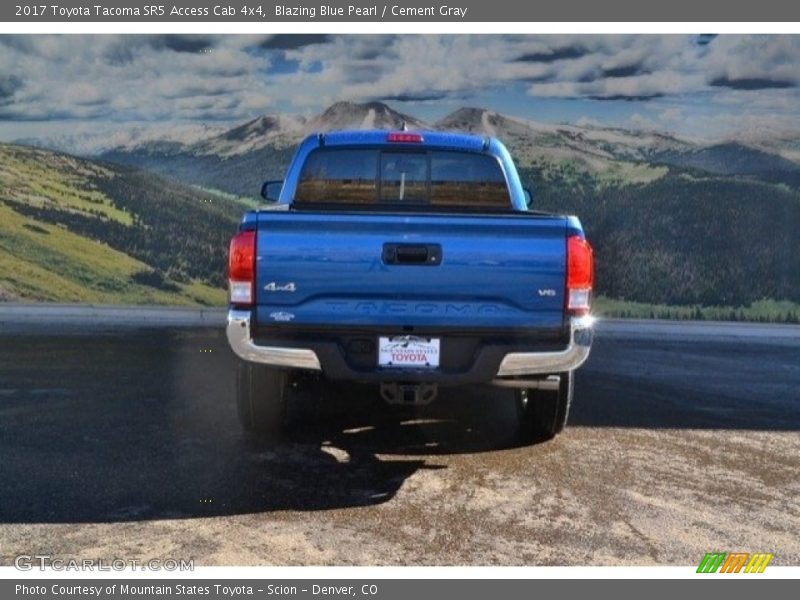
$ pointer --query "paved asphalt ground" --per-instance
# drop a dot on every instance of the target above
(122, 442)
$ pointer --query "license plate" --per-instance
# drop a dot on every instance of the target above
(408, 351)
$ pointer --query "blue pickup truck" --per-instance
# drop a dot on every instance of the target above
(409, 260)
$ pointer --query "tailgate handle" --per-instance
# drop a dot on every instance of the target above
(412, 254)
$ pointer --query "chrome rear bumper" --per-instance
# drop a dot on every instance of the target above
(545, 363)
(514, 364)
(241, 341)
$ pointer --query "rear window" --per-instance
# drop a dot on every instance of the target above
(372, 176)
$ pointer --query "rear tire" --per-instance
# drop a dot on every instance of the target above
(543, 414)
(261, 397)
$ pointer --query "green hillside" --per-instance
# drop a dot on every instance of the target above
(688, 238)
(73, 230)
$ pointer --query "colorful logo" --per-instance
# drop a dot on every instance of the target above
(734, 562)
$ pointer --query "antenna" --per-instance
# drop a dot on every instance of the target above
(404, 126)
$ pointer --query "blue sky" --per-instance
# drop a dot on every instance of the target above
(692, 85)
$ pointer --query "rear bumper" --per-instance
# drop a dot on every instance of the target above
(543, 363)
(491, 363)
(241, 341)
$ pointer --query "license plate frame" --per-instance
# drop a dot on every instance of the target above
(409, 352)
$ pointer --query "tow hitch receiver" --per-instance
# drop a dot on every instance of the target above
(409, 394)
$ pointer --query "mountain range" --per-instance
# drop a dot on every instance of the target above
(236, 159)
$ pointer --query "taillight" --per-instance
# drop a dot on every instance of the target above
(242, 267)
(580, 274)
(405, 138)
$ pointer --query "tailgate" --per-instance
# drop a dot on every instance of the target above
(410, 270)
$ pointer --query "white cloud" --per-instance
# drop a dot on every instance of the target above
(757, 59)
(670, 114)
(639, 121)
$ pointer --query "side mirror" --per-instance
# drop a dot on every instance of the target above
(528, 197)
(271, 190)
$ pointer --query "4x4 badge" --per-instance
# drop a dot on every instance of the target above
(274, 287)
(281, 316)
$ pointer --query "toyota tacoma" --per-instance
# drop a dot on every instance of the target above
(412, 261)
